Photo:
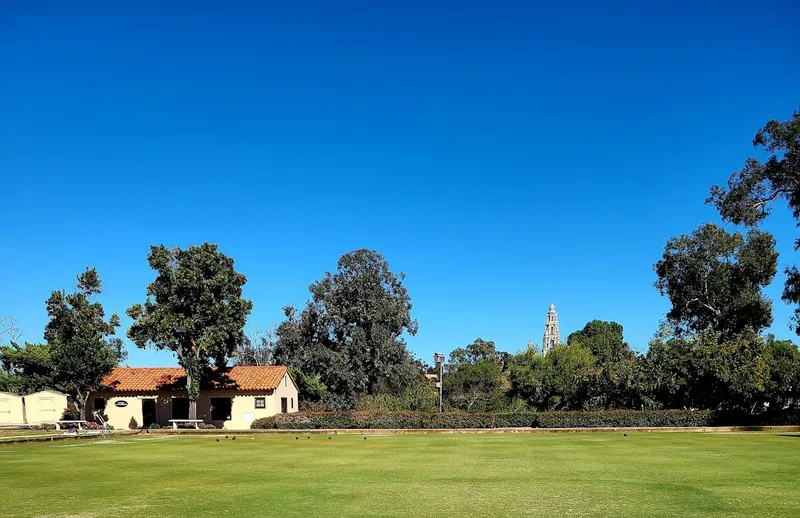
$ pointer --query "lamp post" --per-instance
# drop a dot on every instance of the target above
(438, 359)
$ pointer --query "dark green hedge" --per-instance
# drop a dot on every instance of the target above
(383, 419)
(453, 420)
(626, 418)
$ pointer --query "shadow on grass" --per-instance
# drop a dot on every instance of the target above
(796, 435)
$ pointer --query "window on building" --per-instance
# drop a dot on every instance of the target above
(220, 409)
(285, 381)
(292, 403)
(180, 408)
(99, 403)
(261, 402)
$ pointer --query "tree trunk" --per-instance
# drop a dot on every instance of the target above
(190, 383)
(80, 403)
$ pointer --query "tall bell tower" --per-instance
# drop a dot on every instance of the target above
(551, 337)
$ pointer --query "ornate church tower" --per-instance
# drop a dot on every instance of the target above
(551, 337)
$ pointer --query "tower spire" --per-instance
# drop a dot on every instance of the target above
(551, 337)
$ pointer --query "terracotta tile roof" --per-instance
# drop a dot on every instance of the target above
(151, 379)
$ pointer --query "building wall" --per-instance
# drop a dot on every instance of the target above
(11, 409)
(286, 389)
(45, 406)
(243, 406)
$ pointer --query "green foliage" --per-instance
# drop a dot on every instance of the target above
(560, 380)
(207, 426)
(782, 384)
(744, 372)
(627, 418)
(392, 420)
(29, 368)
(349, 335)
(71, 413)
(714, 279)
(473, 379)
(420, 396)
(619, 378)
(310, 390)
(557, 419)
(752, 191)
(82, 350)
(194, 308)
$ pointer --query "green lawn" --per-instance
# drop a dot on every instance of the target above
(592, 474)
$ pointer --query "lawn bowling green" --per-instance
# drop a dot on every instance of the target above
(574, 474)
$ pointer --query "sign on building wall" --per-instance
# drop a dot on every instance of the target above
(121, 404)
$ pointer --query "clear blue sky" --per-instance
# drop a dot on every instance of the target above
(503, 155)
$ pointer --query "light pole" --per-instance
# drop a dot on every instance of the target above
(438, 359)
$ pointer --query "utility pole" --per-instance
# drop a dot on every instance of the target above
(438, 359)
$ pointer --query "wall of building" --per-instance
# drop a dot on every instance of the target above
(11, 409)
(287, 389)
(243, 406)
(45, 406)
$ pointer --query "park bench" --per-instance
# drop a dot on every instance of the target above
(59, 424)
(195, 422)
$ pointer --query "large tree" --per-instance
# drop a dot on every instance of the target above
(25, 368)
(473, 380)
(560, 380)
(350, 334)
(194, 308)
(82, 349)
(714, 280)
(711, 372)
(619, 379)
(752, 192)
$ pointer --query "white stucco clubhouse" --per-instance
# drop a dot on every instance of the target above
(138, 397)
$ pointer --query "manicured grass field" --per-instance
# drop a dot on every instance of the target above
(591, 474)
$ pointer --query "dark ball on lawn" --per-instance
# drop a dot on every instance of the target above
(329, 437)
(217, 439)
(234, 437)
(309, 437)
(296, 438)
(625, 434)
(365, 437)
(226, 436)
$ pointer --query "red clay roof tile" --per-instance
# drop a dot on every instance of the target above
(152, 379)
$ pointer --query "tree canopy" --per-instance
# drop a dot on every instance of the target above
(714, 280)
(752, 192)
(350, 334)
(82, 349)
(473, 378)
(194, 308)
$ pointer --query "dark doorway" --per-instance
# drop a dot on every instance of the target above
(284, 405)
(148, 412)
(220, 409)
(180, 408)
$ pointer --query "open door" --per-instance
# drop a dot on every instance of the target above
(148, 412)
(284, 405)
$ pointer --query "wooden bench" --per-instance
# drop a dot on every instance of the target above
(195, 422)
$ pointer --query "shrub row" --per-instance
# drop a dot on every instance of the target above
(626, 418)
(578, 419)
(402, 420)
